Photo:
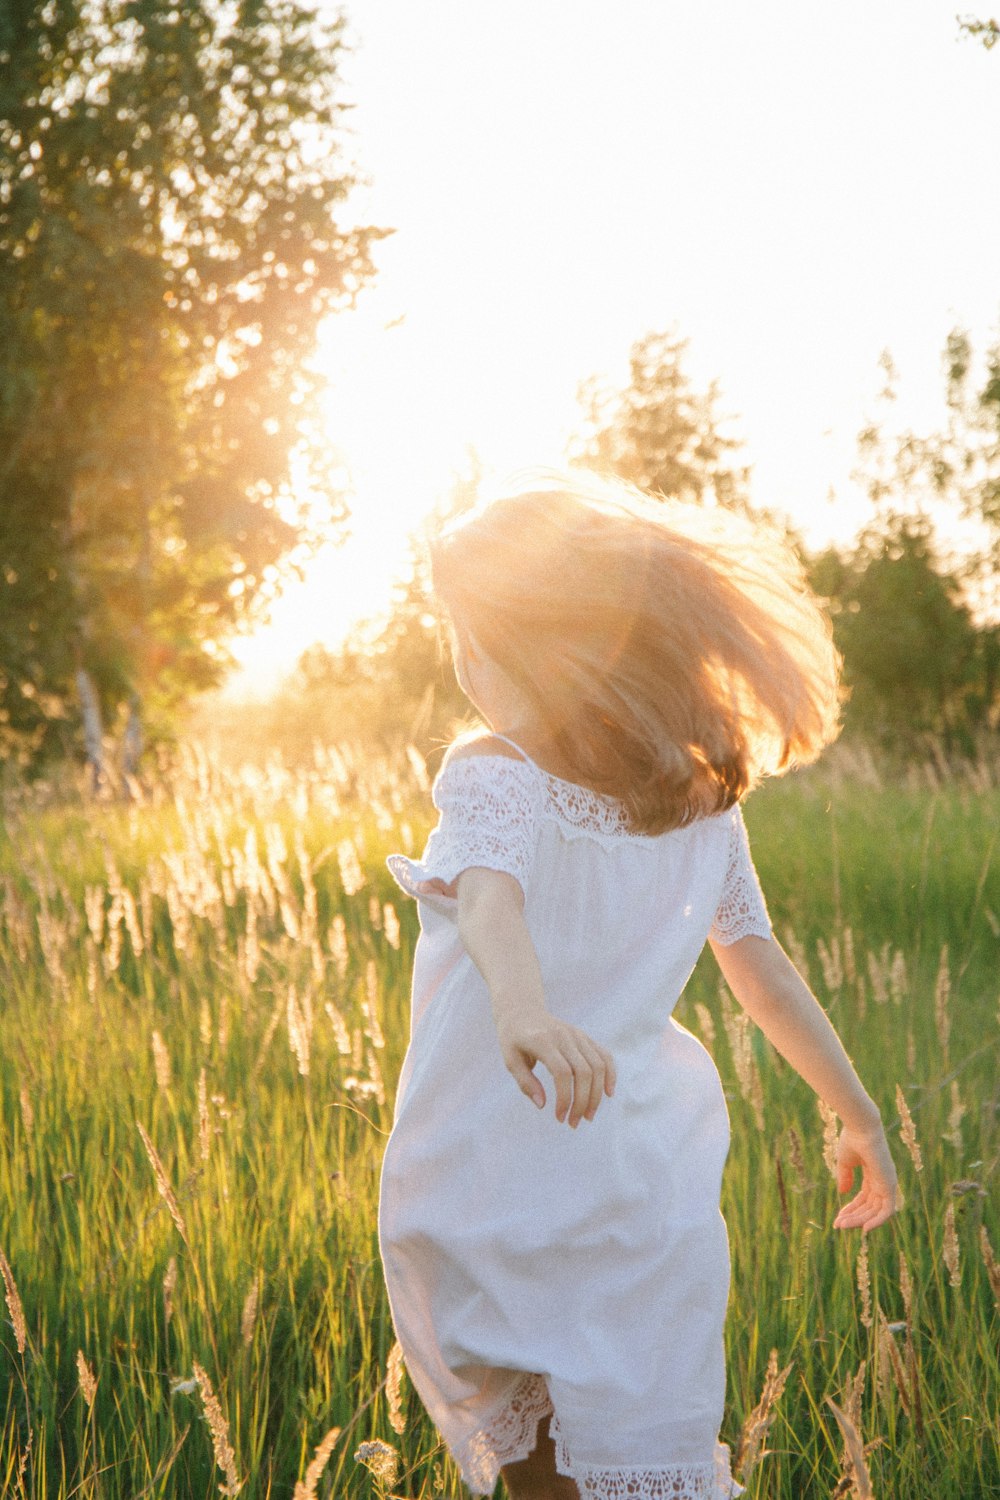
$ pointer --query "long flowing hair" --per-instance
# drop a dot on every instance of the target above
(672, 655)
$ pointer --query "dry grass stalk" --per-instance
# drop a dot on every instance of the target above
(907, 1131)
(132, 923)
(991, 1264)
(88, 1381)
(831, 1135)
(394, 1388)
(225, 1458)
(906, 1287)
(750, 1448)
(163, 1184)
(876, 974)
(341, 1034)
(854, 1462)
(169, 1283)
(205, 1027)
(14, 1305)
(786, 1223)
(390, 923)
(351, 874)
(380, 1460)
(942, 999)
(336, 941)
(738, 1032)
(797, 1159)
(27, 1113)
(298, 1032)
(705, 1023)
(829, 959)
(864, 1283)
(369, 1006)
(949, 1250)
(250, 1304)
(204, 1121)
(887, 1346)
(161, 1063)
(957, 1113)
(305, 1489)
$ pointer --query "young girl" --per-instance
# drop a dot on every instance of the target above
(560, 1295)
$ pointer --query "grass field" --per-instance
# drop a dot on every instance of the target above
(204, 1010)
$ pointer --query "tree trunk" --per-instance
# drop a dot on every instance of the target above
(92, 729)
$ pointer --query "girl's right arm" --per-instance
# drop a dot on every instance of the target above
(492, 927)
(770, 989)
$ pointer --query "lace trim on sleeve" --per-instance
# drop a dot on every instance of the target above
(489, 808)
(742, 911)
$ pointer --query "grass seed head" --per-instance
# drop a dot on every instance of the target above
(204, 1121)
(864, 1283)
(163, 1184)
(161, 1062)
(225, 1458)
(249, 1318)
(860, 1479)
(88, 1381)
(14, 1305)
(991, 1264)
(950, 1247)
(394, 1389)
(305, 1489)
(169, 1283)
(750, 1448)
(907, 1131)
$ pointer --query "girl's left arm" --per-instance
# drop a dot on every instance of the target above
(491, 925)
(771, 990)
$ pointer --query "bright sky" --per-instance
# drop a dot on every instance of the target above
(795, 187)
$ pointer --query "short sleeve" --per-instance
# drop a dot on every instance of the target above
(742, 911)
(489, 807)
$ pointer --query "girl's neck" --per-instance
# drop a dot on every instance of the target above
(533, 742)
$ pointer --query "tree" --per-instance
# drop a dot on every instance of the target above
(948, 479)
(171, 190)
(987, 32)
(915, 661)
(658, 432)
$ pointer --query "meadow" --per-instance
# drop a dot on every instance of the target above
(202, 1018)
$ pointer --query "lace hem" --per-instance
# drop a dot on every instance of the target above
(742, 911)
(509, 1435)
(704, 1481)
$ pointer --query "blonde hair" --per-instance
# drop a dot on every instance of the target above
(674, 654)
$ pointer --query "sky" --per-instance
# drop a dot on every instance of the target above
(792, 187)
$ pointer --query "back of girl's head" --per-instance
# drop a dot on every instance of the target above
(672, 655)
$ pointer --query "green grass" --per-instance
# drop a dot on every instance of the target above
(891, 893)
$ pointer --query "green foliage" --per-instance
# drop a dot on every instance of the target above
(171, 186)
(658, 431)
(915, 662)
(987, 32)
(226, 916)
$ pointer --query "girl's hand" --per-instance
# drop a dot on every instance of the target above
(582, 1071)
(879, 1196)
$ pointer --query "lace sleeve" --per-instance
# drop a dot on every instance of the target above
(741, 911)
(489, 808)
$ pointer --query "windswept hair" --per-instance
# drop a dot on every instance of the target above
(674, 654)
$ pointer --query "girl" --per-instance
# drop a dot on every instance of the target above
(559, 1295)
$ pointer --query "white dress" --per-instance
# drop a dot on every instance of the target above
(533, 1269)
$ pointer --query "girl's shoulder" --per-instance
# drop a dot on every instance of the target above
(479, 743)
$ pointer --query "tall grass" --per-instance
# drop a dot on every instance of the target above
(204, 1012)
